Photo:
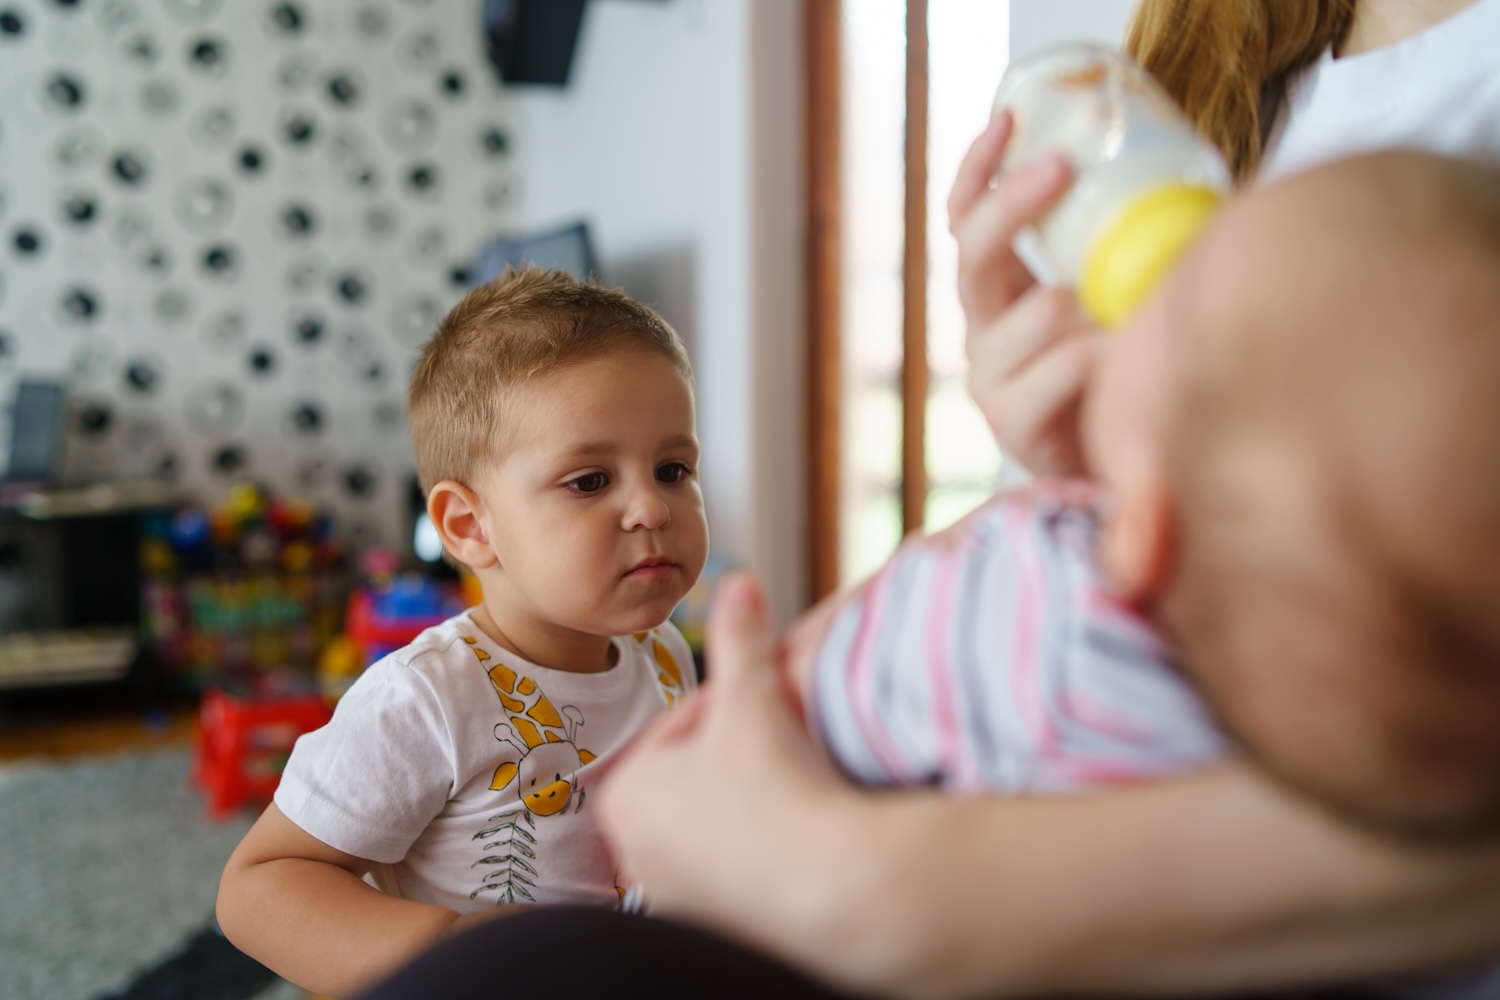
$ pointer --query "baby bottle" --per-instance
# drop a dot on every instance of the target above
(1144, 182)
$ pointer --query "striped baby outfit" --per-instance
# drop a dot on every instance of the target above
(992, 657)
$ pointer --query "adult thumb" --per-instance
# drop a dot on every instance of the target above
(738, 634)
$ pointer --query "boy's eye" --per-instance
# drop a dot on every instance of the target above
(593, 482)
(674, 472)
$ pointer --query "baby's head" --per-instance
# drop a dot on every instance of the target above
(553, 424)
(1301, 436)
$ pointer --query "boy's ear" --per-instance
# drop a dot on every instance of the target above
(1138, 543)
(455, 511)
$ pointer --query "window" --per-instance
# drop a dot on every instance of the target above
(896, 443)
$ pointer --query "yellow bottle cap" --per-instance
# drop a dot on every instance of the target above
(1136, 250)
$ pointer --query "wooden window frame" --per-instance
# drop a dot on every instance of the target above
(823, 77)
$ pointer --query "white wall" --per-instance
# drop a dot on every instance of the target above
(1038, 24)
(679, 139)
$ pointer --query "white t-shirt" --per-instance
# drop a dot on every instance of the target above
(1437, 90)
(465, 772)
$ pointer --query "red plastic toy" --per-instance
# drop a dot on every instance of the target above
(243, 742)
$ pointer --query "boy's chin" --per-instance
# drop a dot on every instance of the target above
(646, 617)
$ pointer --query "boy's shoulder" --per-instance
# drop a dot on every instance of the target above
(445, 644)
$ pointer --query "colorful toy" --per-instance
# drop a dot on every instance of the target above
(251, 586)
(242, 744)
(386, 612)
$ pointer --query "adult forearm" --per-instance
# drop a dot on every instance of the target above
(322, 927)
(1216, 882)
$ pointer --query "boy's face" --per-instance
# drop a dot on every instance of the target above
(594, 512)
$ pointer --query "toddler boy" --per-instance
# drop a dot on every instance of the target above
(553, 423)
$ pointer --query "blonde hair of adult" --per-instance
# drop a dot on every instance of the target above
(523, 325)
(1228, 62)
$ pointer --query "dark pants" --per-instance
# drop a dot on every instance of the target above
(585, 953)
(578, 953)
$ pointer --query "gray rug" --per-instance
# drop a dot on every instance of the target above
(108, 871)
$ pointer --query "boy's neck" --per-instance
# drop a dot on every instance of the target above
(543, 644)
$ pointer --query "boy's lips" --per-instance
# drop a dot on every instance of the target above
(651, 567)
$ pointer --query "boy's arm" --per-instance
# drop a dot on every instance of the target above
(302, 909)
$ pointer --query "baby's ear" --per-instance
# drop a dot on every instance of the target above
(456, 514)
(1138, 544)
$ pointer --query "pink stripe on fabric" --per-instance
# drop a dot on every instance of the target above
(861, 692)
(1105, 718)
(941, 604)
(1025, 654)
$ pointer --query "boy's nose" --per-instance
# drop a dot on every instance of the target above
(647, 509)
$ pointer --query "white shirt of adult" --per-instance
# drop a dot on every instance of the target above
(1437, 90)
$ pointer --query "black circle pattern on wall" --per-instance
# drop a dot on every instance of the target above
(238, 220)
(288, 18)
(209, 55)
(252, 159)
(360, 481)
(79, 208)
(307, 419)
(81, 305)
(298, 128)
(230, 460)
(131, 167)
(261, 361)
(63, 92)
(221, 262)
(93, 418)
(353, 287)
(308, 328)
(27, 242)
(143, 376)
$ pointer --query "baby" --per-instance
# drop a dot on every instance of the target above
(1296, 445)
(553, 423)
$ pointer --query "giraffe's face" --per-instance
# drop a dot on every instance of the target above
(593, 513)
(545, 779)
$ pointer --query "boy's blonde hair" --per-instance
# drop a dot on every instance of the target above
(527, 323)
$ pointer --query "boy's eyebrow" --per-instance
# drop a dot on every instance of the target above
(605, 447)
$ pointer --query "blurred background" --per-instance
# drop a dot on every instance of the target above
(226, 226)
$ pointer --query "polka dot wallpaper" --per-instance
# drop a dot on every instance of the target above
(228, 224)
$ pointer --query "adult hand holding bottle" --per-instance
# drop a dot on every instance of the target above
(1030, 346)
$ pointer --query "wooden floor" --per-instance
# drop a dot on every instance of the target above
(56, 731)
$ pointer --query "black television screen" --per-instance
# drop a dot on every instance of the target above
(37, 438)
(532, 41)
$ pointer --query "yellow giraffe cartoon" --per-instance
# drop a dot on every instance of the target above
(543, 736)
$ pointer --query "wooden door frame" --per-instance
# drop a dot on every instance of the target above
(823, 69)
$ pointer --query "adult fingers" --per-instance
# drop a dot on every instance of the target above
(1039, 319)
(989, 274)
(978, 167)
(738, 634)
(1036, 414)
